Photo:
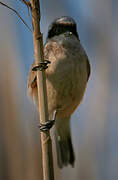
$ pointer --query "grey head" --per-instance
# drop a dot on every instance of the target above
(62, 25)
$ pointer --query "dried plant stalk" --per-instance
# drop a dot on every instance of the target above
(47, 159)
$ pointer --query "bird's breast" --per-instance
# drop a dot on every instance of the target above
(66, 79)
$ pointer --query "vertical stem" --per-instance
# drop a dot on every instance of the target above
(46, 145)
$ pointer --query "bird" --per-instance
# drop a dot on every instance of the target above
(66, 81)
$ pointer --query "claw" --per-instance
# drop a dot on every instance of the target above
(41, 66)
(47, 125)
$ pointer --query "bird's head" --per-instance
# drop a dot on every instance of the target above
(62, 25)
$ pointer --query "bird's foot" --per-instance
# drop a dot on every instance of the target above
(46, 126)
(41, 66)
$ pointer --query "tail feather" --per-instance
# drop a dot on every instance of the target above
(65, 153)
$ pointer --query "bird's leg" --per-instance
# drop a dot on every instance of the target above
(48, 124)
(54, 115)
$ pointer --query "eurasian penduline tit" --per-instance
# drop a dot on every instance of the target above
(66, 80)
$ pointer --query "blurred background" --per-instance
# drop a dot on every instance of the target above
(94, 124)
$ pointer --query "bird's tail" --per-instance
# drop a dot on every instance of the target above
(64, 147)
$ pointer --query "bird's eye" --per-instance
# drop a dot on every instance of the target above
(68, 34)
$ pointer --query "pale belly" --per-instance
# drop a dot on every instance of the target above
(65, 89)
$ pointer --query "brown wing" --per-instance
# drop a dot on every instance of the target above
(32, 80)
